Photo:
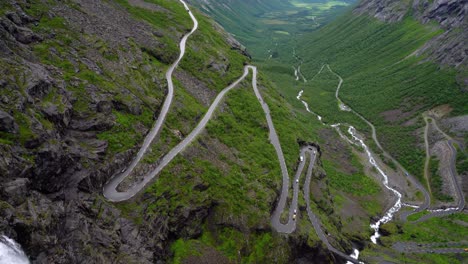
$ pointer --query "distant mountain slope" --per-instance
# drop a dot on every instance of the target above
(239, 16)
(449, 48)
(413, 61)
(261, 24)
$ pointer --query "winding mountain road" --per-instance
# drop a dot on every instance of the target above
(428, 154)
(110, 188)
(427, 197)
(453, 173)
(410, 177)
(407, 247)
(111, 193)
(313, 218)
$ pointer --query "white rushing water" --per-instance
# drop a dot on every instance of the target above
(444, 210)
(296, 73)
(360, 142)
(389, 214)
(11, 252)
(306, 105)
(354, 255)
(410, 205)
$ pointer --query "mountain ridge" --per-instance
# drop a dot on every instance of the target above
(450, 15)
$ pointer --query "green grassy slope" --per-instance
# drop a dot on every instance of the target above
(271, 25)
(239, 185)
(240, 17)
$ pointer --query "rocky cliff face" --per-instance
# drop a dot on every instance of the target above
(79, 83)
(53, 162)
(448, 48)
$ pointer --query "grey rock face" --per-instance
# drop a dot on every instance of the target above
(385, 10)
(63, 98)
(448, 13)
(99, 122)
(16, 190)
(448, 48)
(7, 123)
(21, 34)
(52, 166)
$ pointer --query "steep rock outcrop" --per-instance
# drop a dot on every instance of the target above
(448, 48)
(81, 83)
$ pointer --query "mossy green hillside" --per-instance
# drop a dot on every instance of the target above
(380, 74)
(434, 230)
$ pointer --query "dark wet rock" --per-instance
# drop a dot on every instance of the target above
(26, 36)
(3, 83)
(16, 191)
(21, 34)
(97, 178)
(195, 87)
(89, 148)
(98, 122)
(234, 43)
(7, 123)
(201, 187)
(51, 186)
(53, 164)
(448, 13)
(104, 107)
(92, 65)
(158, 33)
(386, 10)
(14, 18)
(38, 86)
(52, 113)
(131, 106)
(19, 17)
(34, 142)
(12, 165)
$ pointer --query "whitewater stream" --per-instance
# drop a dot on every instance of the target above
(356, 140)
(11, 252)
(397, 206)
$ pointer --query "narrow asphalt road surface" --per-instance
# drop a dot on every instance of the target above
(290, 226)
(411, 178)
(312, 217)
(457, 186)
(109, 190)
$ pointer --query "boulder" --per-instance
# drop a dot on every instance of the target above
(52, 113)
(104, 107)
(38, 87)
(16, 190)
(131, 107)
(21, 34)
(7, 123)
(99, 122)
(53, 168)
(13, 17)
